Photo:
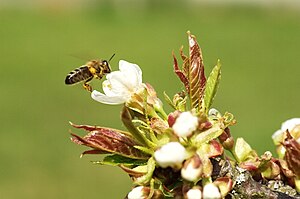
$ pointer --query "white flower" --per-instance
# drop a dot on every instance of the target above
(289, 125)
(120, 85)
(194, 193)
(171, 154)
(185, 124)
(211, 191)
(136, 193)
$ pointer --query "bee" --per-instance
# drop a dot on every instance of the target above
(92, 69)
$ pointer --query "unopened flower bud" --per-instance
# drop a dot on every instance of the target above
(211, 191)
(185, 124)
(194, 193)
(226, 139)
(142, 192)
(171, 154)
(192, 169)
(172, 117)
(137, 193)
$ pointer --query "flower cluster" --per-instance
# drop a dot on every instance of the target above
(189, 152)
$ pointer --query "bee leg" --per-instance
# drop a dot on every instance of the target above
(86, 85)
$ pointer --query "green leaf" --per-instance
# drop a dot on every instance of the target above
(208, 135)
(145, 179)
(144, 150)
(115, 160)
(127, 117)
(212, 86)
(243, 150)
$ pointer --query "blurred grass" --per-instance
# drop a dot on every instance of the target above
(258, 48)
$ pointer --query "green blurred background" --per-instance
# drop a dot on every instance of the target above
(41, 41)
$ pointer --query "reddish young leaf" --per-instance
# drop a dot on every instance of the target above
(192, 73)
(292, 155)
(196, 74)
(186, 62)
(106, 140)
(182, 76)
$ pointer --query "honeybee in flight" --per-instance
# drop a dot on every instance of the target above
(92, 69)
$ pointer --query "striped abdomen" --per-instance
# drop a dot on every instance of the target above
(79, 74)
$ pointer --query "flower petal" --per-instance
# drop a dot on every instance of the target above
(290, 124)
(132, 73)
(115, 89)
(100, 97)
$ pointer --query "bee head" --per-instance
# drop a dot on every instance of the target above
(106, 64)
(106, 67)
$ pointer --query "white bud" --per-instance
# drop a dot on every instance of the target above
(136, 193)
(185, 124)
(192, 169)
(194, 193)
(171, 154)
(211, 191)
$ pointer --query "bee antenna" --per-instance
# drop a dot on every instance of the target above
(111, 57)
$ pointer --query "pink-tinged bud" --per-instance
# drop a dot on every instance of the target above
(205, 125)
(192, 169)
(172, 118)
(142, 192)
(185, 124)
(292, 154)
(211, 191)
(226, 139)
(194, 193)
(228, 143)
(171, 154)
